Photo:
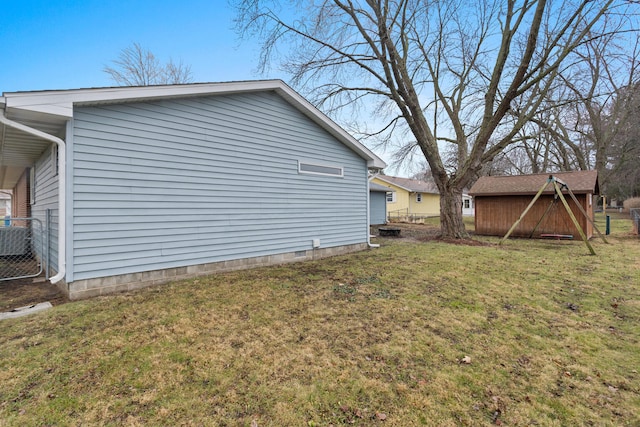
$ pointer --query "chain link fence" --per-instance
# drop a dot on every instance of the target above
(22, 241)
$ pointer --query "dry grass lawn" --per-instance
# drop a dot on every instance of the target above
(417, 332)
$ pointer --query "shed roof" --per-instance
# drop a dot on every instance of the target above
(579, 182)
(380, 188)
(410, 185)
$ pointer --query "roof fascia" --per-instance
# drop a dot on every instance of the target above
(61, 103)
(394, 184)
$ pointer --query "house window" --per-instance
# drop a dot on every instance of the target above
(391, 197)
(418, 197)
(467, 203)
(317, 169)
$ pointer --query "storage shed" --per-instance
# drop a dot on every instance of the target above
(378, 203)
(500, 200)
(143, 185)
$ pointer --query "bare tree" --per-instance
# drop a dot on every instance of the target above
(623, 155)
(137, 66)
(579, 125)
(444, 75)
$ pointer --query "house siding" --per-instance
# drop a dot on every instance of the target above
(406, 203)
(378, 207)
(46, 198)
(181, 182)
(470, 211)
(401, 205)
(428, 206)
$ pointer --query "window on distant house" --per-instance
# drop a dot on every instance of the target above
(418, 197)
(467, 203)
(391, 197)
(317, 169)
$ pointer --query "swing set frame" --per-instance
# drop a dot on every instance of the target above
(558, 186)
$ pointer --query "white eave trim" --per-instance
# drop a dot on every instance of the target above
(409, 190)
(380, 177)
(61, 102)
(62, 200)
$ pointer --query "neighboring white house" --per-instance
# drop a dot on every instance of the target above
(163, 182)
(467, 205)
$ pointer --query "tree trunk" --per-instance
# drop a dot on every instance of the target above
(451, 225)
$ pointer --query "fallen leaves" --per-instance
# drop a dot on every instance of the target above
(381, 416)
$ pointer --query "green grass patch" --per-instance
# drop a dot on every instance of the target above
(412, 333)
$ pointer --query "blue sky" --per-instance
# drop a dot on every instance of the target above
(65, 44)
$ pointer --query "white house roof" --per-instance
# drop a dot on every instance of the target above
(49, 112)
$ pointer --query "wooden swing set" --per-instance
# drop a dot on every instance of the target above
(558, 186)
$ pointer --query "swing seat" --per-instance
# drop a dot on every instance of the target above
(557, 236)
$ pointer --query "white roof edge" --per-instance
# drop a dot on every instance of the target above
(117, 93)
(380, 177)
(61, 102)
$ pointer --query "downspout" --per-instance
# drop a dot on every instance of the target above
(371, 245)
(62, 173)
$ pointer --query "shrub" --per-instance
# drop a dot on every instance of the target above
(632, 203)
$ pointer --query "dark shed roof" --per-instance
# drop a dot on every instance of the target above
(580, 182)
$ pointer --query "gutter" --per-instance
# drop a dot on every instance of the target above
(369, 244)
(62, 173)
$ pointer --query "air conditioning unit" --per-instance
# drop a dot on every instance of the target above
(14, 241)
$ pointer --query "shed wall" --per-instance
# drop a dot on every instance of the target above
(183, 182)
(378, 207)
(494, 215)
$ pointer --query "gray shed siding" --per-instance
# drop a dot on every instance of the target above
(46, 197)
(197, 180)
(378, 207)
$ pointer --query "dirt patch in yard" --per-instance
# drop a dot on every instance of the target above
(408, 231)
(424, 233)
(25, 292)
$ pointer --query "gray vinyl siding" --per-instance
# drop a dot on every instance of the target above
(378, 207)
(189, 181)
(46, 198)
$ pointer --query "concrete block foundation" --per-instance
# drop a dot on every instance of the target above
(87, 288)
